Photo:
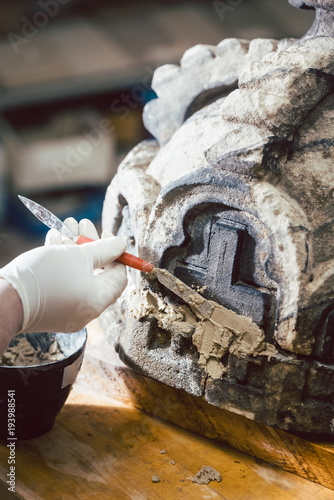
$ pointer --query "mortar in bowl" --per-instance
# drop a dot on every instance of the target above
(32, 396)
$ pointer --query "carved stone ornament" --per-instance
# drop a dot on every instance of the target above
(235, 197)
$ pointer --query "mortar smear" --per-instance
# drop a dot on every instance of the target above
(215, 330)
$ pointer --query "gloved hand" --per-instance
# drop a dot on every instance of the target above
(84, 228)
(62, 286)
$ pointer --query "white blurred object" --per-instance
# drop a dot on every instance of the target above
(72, 150)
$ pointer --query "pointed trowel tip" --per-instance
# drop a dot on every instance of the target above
(25, 201)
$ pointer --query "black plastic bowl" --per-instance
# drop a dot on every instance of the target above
(40, 391)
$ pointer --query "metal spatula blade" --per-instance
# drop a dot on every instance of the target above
(48, 218)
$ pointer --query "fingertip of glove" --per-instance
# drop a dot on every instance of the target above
(72, 224)
(104, 251)
(88, 229)
(107, 234)
(118, 244)
(53, 237)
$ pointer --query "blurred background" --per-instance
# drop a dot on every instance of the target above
(74, 78)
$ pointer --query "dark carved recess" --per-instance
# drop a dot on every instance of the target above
(219, 254)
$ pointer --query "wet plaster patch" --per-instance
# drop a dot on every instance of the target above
(215, 330)
(170, 317)
(226, 331)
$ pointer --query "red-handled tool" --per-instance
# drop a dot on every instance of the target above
(51, 221)
(126, 258)
(195, 300)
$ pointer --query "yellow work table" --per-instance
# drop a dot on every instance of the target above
(102, 449)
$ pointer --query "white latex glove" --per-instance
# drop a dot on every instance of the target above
(62, 286)
(84, 228)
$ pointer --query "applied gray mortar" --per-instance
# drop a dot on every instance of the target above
(258, 157)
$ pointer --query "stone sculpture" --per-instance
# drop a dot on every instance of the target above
(235, 196)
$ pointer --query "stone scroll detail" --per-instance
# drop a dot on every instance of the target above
(205, 73)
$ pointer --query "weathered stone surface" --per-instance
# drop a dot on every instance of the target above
(205, 73)
(236, 199)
